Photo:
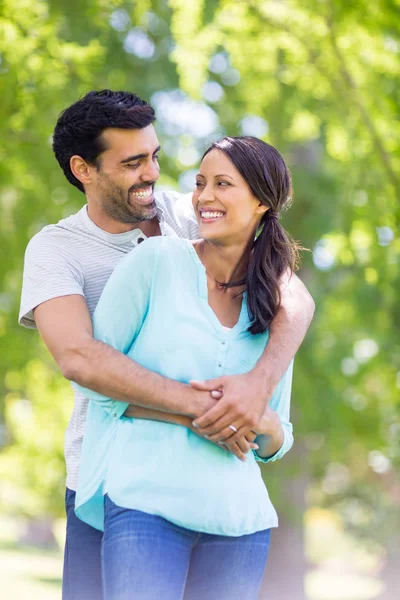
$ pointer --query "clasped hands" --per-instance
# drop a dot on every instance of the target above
(238, 415)
(230, 411)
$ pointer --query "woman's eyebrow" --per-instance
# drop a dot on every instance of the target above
(216, 176)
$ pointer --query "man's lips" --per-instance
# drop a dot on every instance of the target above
(143, 195)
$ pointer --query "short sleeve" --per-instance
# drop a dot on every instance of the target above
(280, 402)
(49, 272)
(122, 309)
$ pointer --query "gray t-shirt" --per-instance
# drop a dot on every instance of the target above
(77, 257)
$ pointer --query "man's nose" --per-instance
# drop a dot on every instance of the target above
(151, 172)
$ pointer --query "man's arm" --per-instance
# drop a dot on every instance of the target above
(245, 397)
(66, 328)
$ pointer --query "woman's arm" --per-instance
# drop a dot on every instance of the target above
(138, 412)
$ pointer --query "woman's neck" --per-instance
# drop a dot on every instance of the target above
(223, 263)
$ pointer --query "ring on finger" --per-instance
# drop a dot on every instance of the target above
(233, 428)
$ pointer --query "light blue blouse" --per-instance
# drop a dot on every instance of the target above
(154, 308)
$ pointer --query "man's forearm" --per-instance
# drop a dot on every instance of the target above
(103, 369)
(287, 332)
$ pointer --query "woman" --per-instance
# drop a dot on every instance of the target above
(182, 517)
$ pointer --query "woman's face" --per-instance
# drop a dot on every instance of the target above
(226, 209)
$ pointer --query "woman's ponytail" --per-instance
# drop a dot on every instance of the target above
(274, 253)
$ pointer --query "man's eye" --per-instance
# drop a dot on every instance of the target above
(156, 156)
(133, 165)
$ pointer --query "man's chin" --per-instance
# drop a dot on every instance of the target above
(143, 213)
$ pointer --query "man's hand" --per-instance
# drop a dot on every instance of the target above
(202, 400)
(242, 405)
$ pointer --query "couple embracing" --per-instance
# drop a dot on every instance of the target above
(178, 322)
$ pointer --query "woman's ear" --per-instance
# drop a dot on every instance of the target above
(262, 209)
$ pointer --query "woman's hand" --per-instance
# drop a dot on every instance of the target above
(266, 438)
(241, 447)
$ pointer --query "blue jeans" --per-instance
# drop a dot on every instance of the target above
(82, 557)
(145, 557)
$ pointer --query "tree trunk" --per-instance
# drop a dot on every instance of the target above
(286, 565)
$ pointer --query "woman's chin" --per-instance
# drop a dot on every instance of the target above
(211, 232)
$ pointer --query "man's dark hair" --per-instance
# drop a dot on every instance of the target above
(79, 127)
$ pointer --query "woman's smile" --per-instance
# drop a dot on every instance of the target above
(209, 215)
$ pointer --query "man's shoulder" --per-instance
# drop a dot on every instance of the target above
(175, 202)
(56, 234)
(177, 210)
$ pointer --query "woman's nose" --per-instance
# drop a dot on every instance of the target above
(206, 194)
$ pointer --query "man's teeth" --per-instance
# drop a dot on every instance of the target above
(211, 215)
(144, 193)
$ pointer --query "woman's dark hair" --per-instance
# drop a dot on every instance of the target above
(273, 252)
(79, 127)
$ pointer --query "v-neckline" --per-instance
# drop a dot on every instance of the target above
(243, 320)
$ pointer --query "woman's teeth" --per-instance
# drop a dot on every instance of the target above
(211, 215)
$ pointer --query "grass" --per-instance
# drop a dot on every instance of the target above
(26, 572)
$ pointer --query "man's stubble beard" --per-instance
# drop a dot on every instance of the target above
(115, 203)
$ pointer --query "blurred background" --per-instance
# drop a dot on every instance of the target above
(319, 79)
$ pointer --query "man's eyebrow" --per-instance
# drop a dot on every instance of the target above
(139, 156)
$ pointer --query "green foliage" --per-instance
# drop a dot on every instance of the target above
(35, 460)
(320, 80)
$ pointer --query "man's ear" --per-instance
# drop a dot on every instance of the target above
(81, 169)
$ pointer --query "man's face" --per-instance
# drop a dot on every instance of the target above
(126, 174)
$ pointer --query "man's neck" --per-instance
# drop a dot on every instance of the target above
(150, 228)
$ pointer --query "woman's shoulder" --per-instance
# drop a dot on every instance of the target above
(161, 250)
(166, 245)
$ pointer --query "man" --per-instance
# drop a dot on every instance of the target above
(107, 147)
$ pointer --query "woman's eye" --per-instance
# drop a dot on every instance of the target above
(199, 183)
(223, 183)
